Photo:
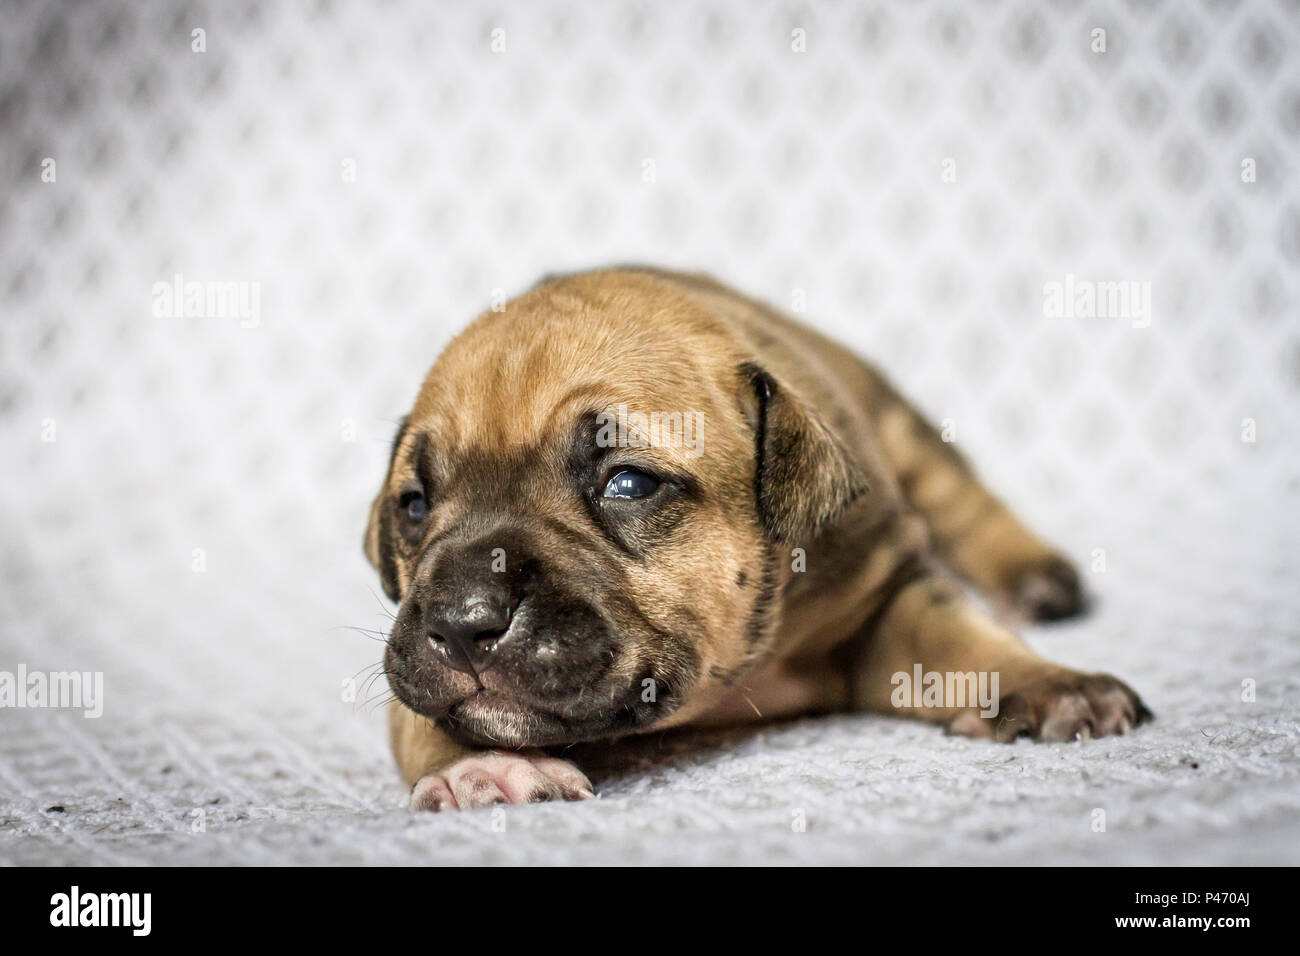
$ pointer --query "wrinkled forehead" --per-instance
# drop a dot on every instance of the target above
(651, 426)
(661, 401)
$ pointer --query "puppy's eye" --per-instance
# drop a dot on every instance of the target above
(631, 484)
(414, 505)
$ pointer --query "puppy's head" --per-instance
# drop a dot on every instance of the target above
(583, 515)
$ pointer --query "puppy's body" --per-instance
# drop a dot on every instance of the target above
(788, 564)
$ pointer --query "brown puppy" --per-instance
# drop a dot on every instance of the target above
(636, 500)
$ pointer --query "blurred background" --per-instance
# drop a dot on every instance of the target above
(184, 495)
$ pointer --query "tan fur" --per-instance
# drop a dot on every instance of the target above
(871, 601)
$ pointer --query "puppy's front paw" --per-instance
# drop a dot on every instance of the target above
(1067, 706)
(499, 777)
(1048, 590)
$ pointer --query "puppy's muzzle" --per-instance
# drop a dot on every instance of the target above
(510, 651)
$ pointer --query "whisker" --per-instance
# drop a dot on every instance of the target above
(370, 681)
(370, 633)
(379, 700)
(380, 664)
(382, 606)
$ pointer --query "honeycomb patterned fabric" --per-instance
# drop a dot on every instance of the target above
(1070, 231)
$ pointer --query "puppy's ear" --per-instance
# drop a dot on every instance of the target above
(379, 537)
(804, 477)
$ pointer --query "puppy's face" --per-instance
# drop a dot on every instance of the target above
(567, 569)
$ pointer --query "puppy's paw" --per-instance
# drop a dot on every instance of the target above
(1066, 706)
(495, 777)
(1047, 590)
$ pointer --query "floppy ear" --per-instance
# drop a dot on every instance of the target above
(803, 477)
(379, 538)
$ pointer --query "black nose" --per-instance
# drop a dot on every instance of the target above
(468, 635)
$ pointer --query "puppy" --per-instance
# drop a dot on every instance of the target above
(636, 500)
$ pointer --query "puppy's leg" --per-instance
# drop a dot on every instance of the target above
(929, 623)
(445, 775)
(971, 529)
